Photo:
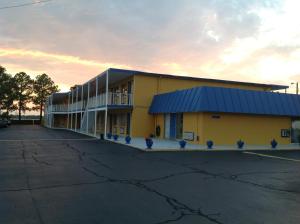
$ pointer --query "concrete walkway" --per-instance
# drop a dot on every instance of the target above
(169, 145)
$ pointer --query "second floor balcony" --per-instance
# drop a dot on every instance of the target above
(113, 99)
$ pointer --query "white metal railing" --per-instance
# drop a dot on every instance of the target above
(59, 107)
(94, 102)
(113, 99)
(119, 99)
(76, 106)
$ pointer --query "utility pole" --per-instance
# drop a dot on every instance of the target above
(297, 87)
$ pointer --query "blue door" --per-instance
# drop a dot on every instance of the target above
(172, 125)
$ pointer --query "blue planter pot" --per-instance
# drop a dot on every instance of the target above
(240, 144)
(210, 144)
(109, 135)
(182, 144)
(116, 137)
(274, 144)
(149, 143)
(128, 139)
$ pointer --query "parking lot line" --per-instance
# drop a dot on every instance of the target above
(273, 157)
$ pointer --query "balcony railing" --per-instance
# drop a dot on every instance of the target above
(59, 108)
(116, 99)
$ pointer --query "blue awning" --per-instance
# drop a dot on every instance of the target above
(226, 100)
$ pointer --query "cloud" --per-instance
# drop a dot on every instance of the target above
(74, 40)
(56, 57)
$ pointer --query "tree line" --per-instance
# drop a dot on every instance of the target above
(19, 91)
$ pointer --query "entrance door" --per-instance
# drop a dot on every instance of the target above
(173, 126)
(179, 126)
(167, 125)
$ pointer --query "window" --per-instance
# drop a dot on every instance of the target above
(295, 131)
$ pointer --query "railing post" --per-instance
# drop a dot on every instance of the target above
(96, 106)
(72, 111)
(87, 104)
(76, 108)
(81, 106)
(106, 102)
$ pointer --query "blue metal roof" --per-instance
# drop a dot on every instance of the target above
(227, 100)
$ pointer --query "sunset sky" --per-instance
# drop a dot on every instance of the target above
(74, 40)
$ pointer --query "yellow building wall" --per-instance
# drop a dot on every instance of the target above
(193, 122)
(171, 84)
(142, 124)
(145, 87)
(252, 129)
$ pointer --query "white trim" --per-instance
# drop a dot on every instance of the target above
(76, 108)
(95, 129)
(81, 112)
(51, 118)
(68, 120)
(87, 105)
(72, 113)
(106, 108)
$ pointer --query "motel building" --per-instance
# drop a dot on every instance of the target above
(168, 107)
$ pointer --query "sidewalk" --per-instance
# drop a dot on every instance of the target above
(163, 145)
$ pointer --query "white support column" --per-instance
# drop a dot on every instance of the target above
(81, 104)
(68, 120)
(87, 104)
(95, 131)
(51, 124)
(71, 111)
(106, 109)
(76, 108)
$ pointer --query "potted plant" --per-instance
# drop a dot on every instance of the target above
(149, 142)
(116, 137)
(274, 144)
(182, 144)
(127, 139)
(209, 144)
(240, 144)
(109, 135)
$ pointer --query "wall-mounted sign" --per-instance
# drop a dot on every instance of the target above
(188, 136)
(285, 133)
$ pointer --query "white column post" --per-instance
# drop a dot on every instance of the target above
(71, 110)
(81, 103)
(51, 124)
(87, 104)
(96, 107)
(76, 108)
(68, 111)
(106, 103)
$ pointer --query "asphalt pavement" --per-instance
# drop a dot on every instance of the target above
(58, 176)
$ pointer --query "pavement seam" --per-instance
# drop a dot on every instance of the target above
(272, 157)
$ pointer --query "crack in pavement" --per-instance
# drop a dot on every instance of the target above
(101, 163)
(34, 202)
(177, 206)
(79, 153)
(40, 162)
(52, 186)
(232, 177)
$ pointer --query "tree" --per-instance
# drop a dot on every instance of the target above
(23, 89)
(43, 87)
(7, 95)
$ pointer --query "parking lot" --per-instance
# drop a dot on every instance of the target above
(57, 176)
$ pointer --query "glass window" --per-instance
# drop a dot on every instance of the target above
(296, 131)
(179, 125)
